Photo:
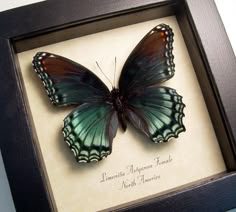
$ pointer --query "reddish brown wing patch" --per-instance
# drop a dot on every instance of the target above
(67, 82)
(151, 61)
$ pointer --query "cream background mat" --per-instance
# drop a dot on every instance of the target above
(137, 168)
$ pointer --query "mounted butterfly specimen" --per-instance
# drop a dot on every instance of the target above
(154, 110)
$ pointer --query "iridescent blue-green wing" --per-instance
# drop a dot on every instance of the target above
(151, 61)
(67, 82)
(157, 112)
(89, 131)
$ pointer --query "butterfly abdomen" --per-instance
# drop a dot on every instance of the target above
(119, 106)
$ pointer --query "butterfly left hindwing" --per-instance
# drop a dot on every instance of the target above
(89, 131)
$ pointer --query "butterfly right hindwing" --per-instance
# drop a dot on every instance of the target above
(157, 112)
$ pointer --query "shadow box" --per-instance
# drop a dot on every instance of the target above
(194, 172)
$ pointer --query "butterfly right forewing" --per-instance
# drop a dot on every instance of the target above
(150, 63)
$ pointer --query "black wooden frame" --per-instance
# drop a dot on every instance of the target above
(53, 21)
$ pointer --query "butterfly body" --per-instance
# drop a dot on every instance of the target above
(154, 110)
(118, 104)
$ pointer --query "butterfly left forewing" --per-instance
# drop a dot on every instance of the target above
(89, 131)
(157, 112)
(67, 82)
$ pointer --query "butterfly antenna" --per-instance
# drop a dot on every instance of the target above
(104, 74)
(114, 78)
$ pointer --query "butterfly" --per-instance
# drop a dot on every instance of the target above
(154, 110)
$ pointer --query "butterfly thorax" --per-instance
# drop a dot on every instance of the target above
(118, 104)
